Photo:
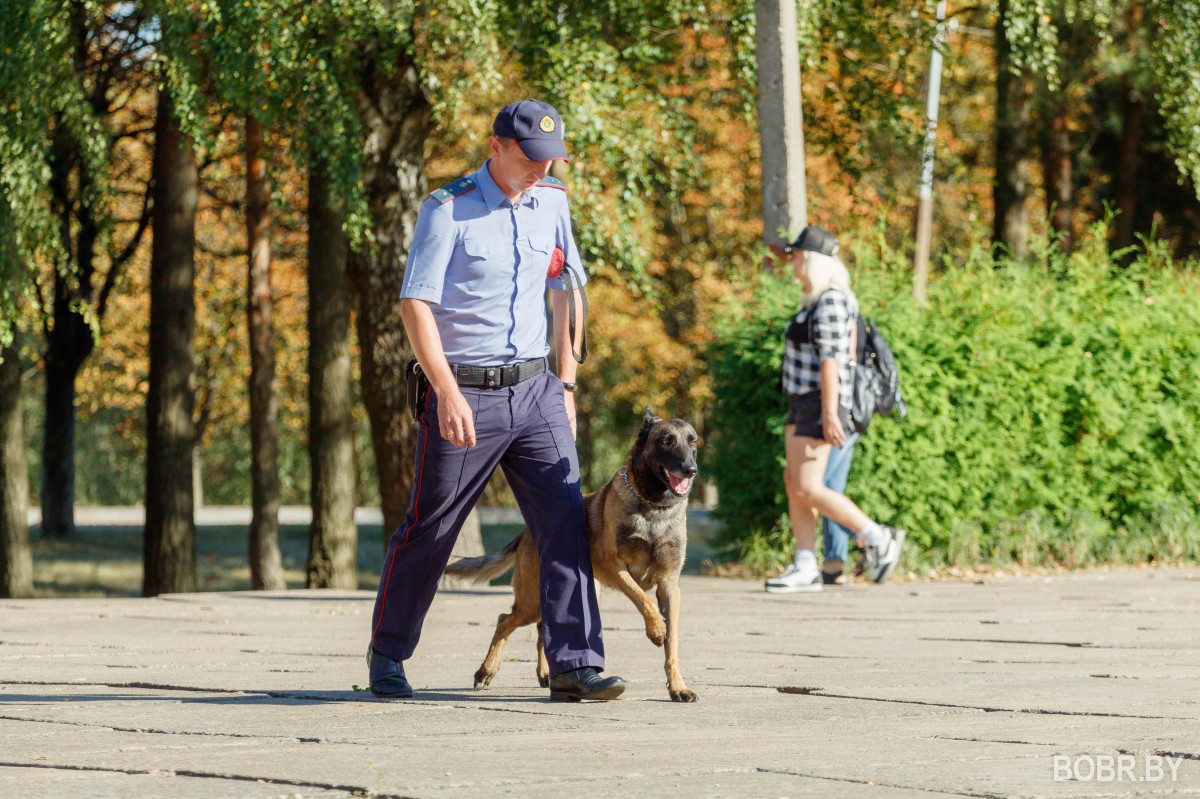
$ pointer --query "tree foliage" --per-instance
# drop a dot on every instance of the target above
(1176, 59)
(40, 94)
(1098, 36)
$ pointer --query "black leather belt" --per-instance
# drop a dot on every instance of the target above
(498, 376)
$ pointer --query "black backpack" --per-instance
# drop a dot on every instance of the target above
(876, 379)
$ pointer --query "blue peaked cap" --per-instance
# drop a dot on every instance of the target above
(536, 126)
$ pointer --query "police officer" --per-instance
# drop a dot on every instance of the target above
(474, 309)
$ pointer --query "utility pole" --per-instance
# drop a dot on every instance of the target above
(780, 121)
(925, 199)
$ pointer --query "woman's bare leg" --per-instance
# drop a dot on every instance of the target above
(807, 458)
(802, 514)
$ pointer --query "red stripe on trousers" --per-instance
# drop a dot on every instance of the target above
(408, 532)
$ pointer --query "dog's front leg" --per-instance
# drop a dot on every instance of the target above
(656, 628)
(670, 604)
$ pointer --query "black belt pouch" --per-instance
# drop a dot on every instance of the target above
(418, 388)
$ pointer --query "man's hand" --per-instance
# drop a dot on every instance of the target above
(569, 402)
(455, 420)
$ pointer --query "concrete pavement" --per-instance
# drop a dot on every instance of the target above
(986, 689)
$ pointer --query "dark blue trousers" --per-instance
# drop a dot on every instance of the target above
(524, 430)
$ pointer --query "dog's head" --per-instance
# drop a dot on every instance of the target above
(665, 452)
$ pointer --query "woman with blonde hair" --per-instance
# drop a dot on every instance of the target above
(817, 375)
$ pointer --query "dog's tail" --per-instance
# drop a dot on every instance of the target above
(486, 567)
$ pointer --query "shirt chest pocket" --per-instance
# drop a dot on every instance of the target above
(485, 266)
(535, 259)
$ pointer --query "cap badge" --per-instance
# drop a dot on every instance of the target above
(546, 123)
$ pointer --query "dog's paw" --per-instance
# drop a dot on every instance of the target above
(482, 679)
(656, 631)
(684, 695)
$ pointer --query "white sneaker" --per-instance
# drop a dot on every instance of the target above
(881, 561)
(795, 579)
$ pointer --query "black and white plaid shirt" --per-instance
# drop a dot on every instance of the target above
(820, 330)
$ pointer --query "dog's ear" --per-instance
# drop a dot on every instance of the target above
(648, 419)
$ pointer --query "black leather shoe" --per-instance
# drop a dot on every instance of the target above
(387, 676)
(584, 683)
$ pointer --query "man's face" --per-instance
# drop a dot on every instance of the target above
(512, 170)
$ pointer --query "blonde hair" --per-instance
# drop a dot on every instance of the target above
(825, 272)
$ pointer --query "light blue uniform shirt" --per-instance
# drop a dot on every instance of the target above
(481, 262)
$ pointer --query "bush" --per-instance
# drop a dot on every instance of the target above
(1053, 411)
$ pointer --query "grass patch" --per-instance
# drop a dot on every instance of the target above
(107, 561)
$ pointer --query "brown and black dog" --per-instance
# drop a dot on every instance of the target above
(637, 531)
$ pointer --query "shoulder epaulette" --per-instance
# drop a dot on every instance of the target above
(455, 189)
(553, 183)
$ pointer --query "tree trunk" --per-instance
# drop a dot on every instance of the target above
(333, 543)
(1013, 118)
(57, 491)
(1132, 116)
(266, 564)
(1056, 168)
(198, 470)
(70, 340)
(396, 119)
(170, 532)
(1127, 165)
(780, 121)
(16, 562)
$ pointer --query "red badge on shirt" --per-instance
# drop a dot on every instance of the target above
(557, 259)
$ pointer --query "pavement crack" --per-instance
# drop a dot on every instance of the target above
(856, 781)
(1164, 753)
(144, 685)
(354, 790)
(786, 689)
(353, 655)
(154, 731)
(1072, 644)
(990, 740)
(807, 655)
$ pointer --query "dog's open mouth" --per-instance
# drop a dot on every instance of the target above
(680, 486)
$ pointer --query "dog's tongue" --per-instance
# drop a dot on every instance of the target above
(679, 485)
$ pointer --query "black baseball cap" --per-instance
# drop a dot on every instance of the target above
(537, 128)
(814, 239)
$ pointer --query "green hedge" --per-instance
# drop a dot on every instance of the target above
(1054, 411)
